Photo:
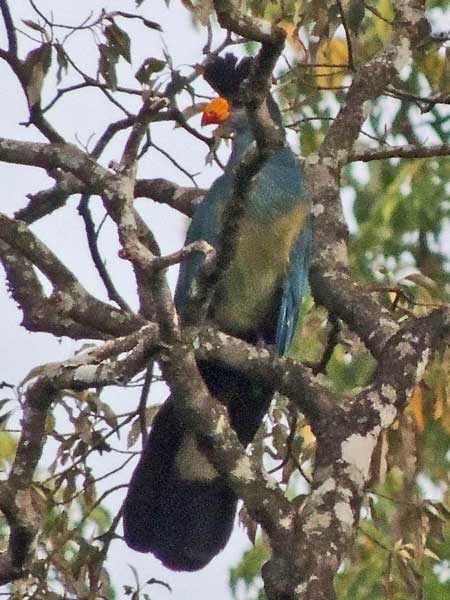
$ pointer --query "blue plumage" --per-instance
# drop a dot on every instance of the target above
(178, 507)
(294, 289)
(276, 204)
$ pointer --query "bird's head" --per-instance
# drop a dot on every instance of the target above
(225, 75)
(216, 112)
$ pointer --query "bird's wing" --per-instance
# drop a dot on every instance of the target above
(205, 225)
(294, 289)
(281, 193)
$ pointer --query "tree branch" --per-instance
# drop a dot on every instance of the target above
(15, 499)
(183, 199)
(231, 17)
(406, 151)
(9, 26)
(38, 310)
(330, 279)
(69, 297)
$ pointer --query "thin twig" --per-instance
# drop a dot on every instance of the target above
(9, 26)
(332, 341)
(174, 162)
(347, 35)
(91, 236)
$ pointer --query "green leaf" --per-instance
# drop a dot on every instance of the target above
(249, 568)
(152, 24)
(107, 65)
(36, 66)
(148, 68)
(134, 433)
(5, 416)
(34, 25)
(119, 40)
(63, 63)
(355, 15)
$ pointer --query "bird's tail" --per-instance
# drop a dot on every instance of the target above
(178, 507)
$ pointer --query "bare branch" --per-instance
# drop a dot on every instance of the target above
(150, 107)
(231, 17)
(163, 191)
(9, 26)
(46, 201)
(406, 151)
(69, 297)
(348, 35)
(183, 199)
(38, 310)
(54, 156)
(92, 239)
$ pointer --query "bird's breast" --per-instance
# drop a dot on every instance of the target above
(251, 285)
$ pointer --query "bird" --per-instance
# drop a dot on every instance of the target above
(178, 507)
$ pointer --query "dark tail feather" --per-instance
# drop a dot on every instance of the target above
(177, 506)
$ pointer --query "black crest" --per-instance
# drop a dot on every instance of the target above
(225, 74)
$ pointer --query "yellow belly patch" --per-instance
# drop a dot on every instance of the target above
(246, 293)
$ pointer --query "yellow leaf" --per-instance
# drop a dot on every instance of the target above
(434, 66)
(382, 27)
(332, 52)
(291, 31)
(8, 446)
(415, 407)
(444, 413)
(438, 407)
(431, 554)
(307, 435)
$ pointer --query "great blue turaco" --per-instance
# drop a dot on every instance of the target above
(178, 507)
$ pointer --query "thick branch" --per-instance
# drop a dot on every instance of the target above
(230, 17)
(69, 297)
(330, 280)
(39, 313)
(53, 156)
(345, 442)
(183, 199)
(149, 109)
(286, 375)
(209, 419)
(163, 191)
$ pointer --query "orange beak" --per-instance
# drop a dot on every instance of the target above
(216, 112)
